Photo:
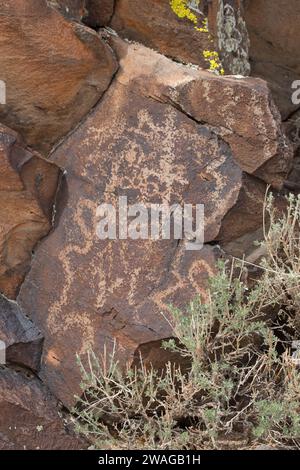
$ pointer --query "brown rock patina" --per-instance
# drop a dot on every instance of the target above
(163, 132)
(154, 24)
(23, 341)
(28, 186)
(29, 416)
(55, 71)
(75, 9)
(275, 46)
(99, 12)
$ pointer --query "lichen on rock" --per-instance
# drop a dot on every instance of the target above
(233, 39)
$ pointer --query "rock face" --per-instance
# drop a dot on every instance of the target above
(268, 33)
(55, 71)
(28, 186)
(228, 26)
(273, 50)
(22, 339)
(74, 9)
(261, 37)
(154, 24)
(292, 127)
(99, 12)
(162, 133)
(29, 416)
(117, 120)
(275, 46)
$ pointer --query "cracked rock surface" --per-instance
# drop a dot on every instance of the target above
(24, 342)
(28, 186)
(275, 53)
(91, 117)
(154, 138)
(29, 416)
(56, 71)
(154, 24)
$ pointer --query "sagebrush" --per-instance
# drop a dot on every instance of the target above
(241, 387)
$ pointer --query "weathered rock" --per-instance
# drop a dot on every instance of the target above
(248, 209)
(275, 46)
(266, 33)
(55, 71)
(99, 12)
(227, 24)
(22, 339)
(74, 9)
(163, 132)
(292, 127)
(29, 416)
(155, 355)
(274, 55)
(154, 24)
(94, 13)
(240, 111)
(28, 186)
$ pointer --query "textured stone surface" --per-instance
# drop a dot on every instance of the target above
(99, 12)
(274, 32)
(29, 416)
(55, 70)
(162, 133)
(292, 127)
(227, 25)
(74, 9)
(239, 110)
(268, 33)
(22, 339)
(28, 186)
(154, 24)
(123, 120)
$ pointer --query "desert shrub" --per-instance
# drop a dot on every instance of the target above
(240, 388)
(281, 265)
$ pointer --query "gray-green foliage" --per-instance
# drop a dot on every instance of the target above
(240, 389)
